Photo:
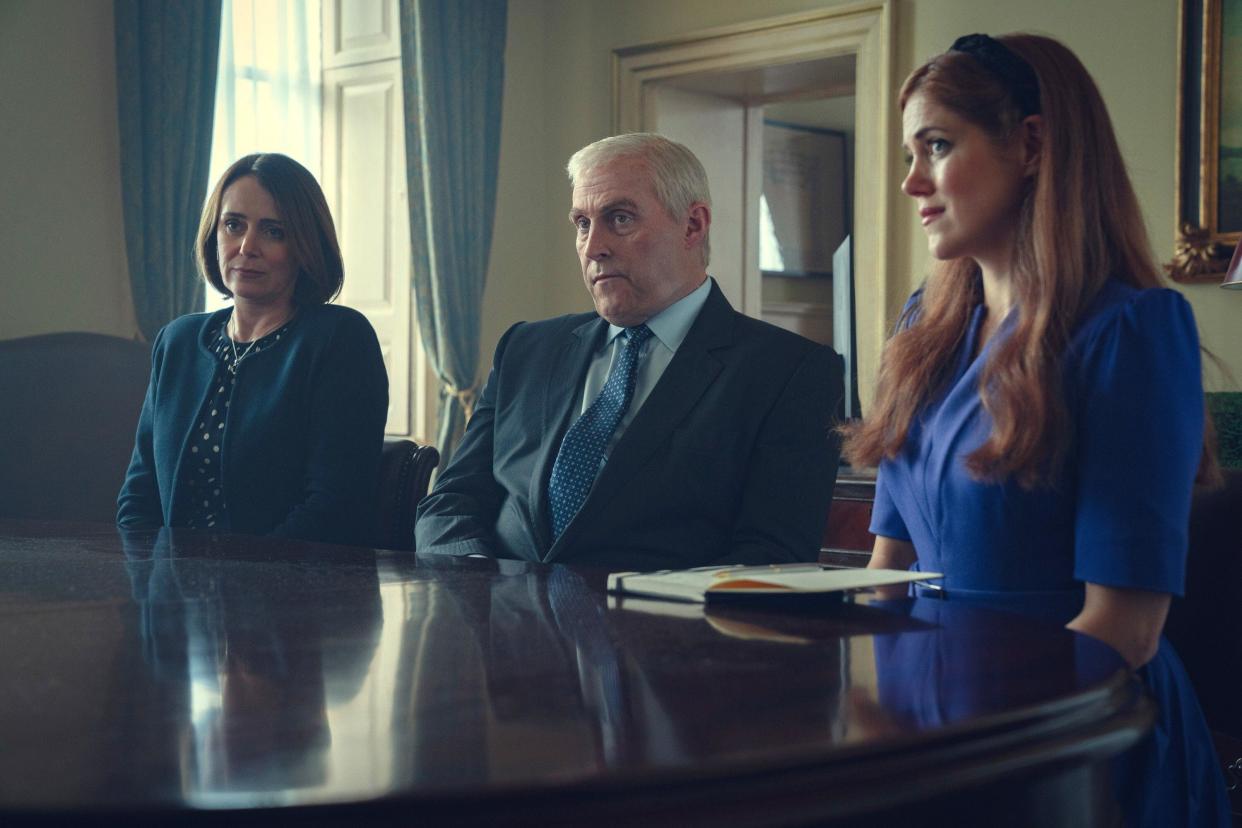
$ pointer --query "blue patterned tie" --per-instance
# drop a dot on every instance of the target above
(582, 450)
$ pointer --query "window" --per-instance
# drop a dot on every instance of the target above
(269, 87)
(320, 81)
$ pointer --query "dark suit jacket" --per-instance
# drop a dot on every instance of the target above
(731, 459)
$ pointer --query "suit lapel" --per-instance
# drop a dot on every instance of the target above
(563, 383)
(693, 369)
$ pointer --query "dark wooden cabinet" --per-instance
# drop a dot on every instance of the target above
(846, 539)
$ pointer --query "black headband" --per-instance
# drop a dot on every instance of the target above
(1014, 72)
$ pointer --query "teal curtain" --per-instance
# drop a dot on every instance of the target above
(452, 60)
(166, 65)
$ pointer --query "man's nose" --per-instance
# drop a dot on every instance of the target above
(595, 245)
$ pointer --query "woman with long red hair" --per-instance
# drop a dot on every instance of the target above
(1039, 419)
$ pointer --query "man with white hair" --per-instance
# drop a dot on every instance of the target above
(665, 430)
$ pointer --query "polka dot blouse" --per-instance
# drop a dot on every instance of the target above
(204, 503)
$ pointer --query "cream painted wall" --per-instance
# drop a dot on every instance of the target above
(1128, 45)
(60, 215)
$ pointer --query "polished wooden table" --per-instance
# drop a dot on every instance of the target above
(156, 676)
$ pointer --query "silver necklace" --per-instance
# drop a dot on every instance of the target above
(237, 358)
(245, 352)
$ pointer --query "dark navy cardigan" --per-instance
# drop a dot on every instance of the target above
(302, 439)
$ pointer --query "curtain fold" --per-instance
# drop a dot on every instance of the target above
(166, 65)
(452, 56)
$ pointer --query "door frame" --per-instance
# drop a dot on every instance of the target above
(863, 29)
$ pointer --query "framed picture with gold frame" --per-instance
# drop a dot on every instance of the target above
(1209, 139)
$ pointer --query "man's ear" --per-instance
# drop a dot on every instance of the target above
(697, 223)
(1032, 130)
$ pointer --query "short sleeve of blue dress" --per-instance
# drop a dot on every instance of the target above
(885, 517)
(1137, 397)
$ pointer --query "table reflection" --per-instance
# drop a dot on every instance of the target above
(538, 671)
(928, 681)
(257, 668)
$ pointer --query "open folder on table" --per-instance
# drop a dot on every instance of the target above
(736, 584)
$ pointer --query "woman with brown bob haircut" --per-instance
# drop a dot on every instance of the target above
(266, 417)
(1039, 416)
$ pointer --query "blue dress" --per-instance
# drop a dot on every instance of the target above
(1117, 516)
